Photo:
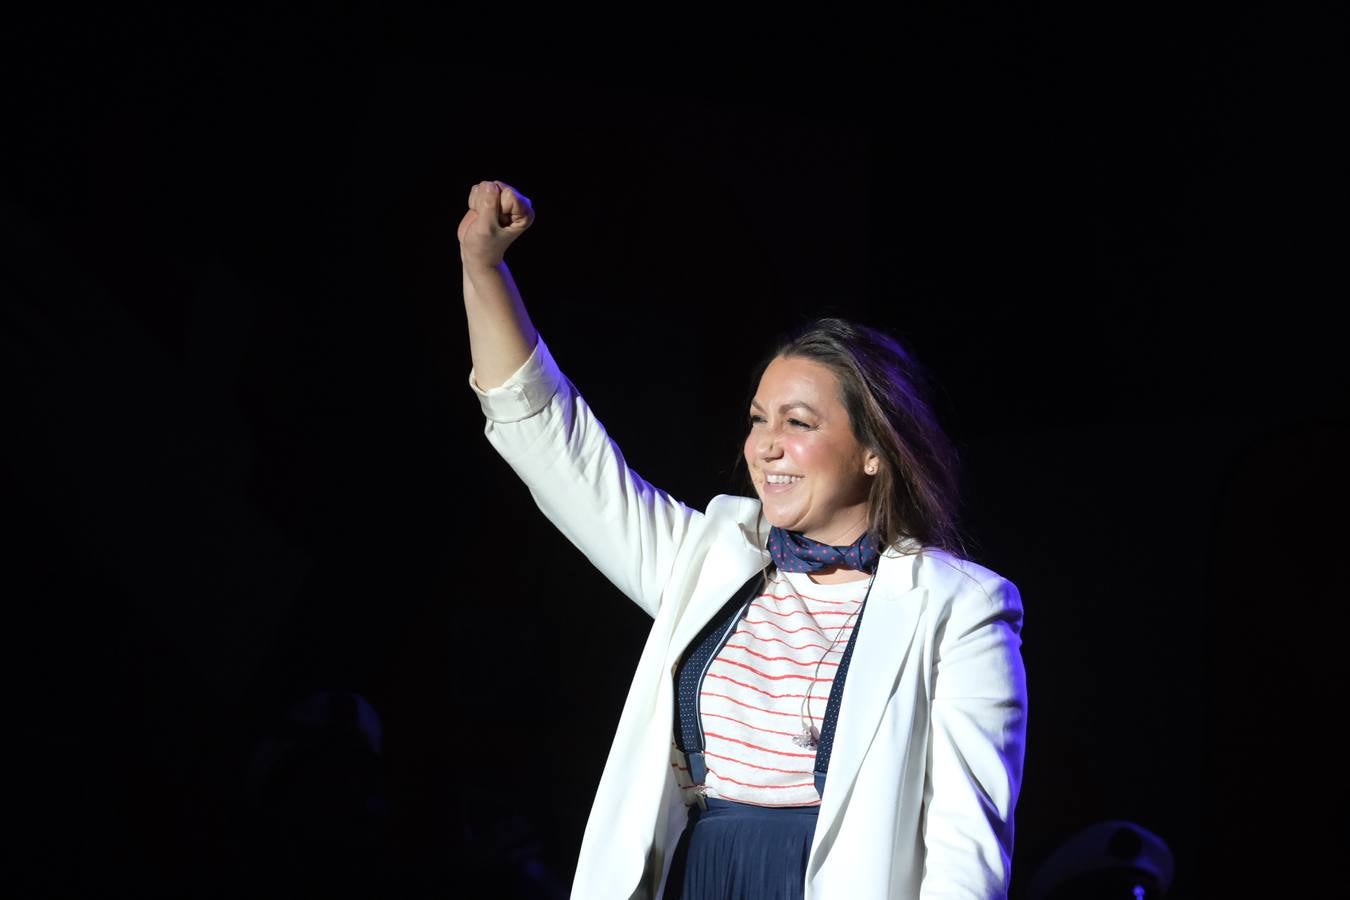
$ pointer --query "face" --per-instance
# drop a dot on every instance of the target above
(809, 470)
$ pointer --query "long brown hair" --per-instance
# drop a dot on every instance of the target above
(885, 391)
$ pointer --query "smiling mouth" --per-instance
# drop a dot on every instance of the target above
(782, 480)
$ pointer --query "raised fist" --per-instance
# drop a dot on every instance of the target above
(497, 215)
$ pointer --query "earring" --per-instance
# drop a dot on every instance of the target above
(871, 469)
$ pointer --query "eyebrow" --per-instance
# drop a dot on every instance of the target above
(754, 404)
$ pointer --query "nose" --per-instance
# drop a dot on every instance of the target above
(766, 443)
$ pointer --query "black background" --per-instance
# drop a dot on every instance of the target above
(244, 465)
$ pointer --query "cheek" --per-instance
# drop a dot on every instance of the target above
(750, 454)
(801, 452)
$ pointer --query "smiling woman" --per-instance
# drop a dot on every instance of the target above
(851, 404)
(832, 706)
(805, 462)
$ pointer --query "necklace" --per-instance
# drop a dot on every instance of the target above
(809, 737)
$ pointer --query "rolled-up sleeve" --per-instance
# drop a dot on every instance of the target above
(526, 392)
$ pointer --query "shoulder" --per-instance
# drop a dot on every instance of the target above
(729, 506)
(739, 516)
(970, 589)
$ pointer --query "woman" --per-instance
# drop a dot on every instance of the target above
(841, 574)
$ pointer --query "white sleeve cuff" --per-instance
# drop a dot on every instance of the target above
(526, 392)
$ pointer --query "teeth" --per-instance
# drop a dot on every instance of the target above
(782, 479)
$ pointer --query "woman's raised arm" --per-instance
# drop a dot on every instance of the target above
(501, 336)
(543, 428)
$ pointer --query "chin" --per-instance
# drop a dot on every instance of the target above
(778, 520)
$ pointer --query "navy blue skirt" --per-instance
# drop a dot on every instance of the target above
(735, 851)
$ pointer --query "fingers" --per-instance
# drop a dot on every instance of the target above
(515, 207)
(488, 198)
(483, 196)
(485, 199)
(500, 203)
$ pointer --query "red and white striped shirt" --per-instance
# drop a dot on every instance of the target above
(769, 683)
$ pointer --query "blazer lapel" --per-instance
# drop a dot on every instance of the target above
(727, 567)
(885, 646)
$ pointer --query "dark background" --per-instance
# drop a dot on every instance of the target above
(243, 466)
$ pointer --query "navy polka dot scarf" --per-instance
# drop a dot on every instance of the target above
(793, 552)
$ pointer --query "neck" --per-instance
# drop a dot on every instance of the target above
(837, 575)
(838, 537)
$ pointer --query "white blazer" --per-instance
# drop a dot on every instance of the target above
(927, 758)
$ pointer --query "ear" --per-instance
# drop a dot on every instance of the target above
(871, 462)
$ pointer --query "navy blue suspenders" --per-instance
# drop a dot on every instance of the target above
(694, 665)
(689, 675)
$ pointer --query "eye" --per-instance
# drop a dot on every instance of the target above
(756, 418)
(798, 423)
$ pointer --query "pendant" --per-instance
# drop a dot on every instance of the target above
(810, 737)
